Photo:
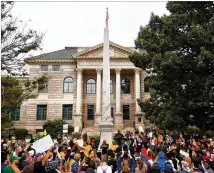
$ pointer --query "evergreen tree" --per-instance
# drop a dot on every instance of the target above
(177, 52)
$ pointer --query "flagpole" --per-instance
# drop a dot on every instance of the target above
(106, 125)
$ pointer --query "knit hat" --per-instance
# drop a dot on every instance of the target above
(206, 158)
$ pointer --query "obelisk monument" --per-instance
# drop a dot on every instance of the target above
(106, 125)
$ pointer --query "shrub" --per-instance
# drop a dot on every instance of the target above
(97, 138)
(70, 129)
(76, 135)
(54, 127)
(20, 133)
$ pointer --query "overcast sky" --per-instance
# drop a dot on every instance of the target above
(82, 23)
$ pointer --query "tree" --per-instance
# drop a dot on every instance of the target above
(176, 51)
(15, 42)
(54, 127)
(14, 92)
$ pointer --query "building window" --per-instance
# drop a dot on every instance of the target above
(125, 86)
(67, 112)
(90, 112)
(91, 86)
(126, 112)
(68, 85)
(44, 67)
(15, 116)
(55, 67)
(43, 88)
(41, 112)
(111, 87)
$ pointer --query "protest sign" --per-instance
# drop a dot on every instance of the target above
(43, 144)
(183, 153)
(79, 142)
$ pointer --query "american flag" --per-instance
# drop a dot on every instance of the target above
(107, 17)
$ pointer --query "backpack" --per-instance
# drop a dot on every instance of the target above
(104, 170)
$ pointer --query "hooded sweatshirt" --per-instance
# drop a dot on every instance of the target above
(161, 161)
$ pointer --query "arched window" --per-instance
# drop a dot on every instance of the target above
(125, 86)
(111, 87)
(68, 85)
(91, 86)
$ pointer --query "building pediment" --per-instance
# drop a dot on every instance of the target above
(116, 51)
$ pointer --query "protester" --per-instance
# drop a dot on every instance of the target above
(104, 168)
(128, 153)
(12, 167)
(5, 159)
(141, 166)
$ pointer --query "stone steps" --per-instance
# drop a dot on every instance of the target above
(92, 131)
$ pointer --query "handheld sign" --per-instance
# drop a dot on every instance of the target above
(43, 144)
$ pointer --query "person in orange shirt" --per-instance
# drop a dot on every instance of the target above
(86, 147)
(113, 146)
(62, 153)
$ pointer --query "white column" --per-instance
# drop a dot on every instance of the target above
(118, 91)
(98, 95)
(137, 89)
(79, 92)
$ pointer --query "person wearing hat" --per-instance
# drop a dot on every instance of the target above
(12, 167)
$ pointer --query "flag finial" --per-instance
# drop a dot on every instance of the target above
(107, 17)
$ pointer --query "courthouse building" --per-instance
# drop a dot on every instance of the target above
(74, 92)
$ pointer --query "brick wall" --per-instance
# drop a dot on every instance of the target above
(54, 99)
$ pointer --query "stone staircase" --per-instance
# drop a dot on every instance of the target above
(93, 131)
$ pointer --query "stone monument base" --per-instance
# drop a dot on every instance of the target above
(97, 120)
(139, 124)
(77, 122)
(106, 130)
(118, 124)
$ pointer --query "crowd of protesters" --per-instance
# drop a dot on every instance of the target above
(128, 153)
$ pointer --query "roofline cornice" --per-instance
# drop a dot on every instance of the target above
(126, 49)
(100, 57)
(34, 61)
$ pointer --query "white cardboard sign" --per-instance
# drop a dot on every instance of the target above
(43, 144)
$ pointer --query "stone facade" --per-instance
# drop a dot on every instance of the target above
(84, 64)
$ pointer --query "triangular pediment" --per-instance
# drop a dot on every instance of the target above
(116, 51)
